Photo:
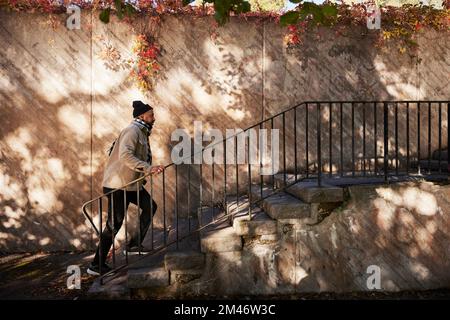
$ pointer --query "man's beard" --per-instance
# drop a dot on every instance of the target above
(150, 124)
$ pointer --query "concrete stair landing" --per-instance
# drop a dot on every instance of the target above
(281, 205)
(309, 191)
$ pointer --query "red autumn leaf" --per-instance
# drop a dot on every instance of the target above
(418, 26)
(295, 39)
(292, 28)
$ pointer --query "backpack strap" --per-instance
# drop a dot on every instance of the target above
(111, 148)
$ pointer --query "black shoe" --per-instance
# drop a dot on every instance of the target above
(94, 269)
(135, 250)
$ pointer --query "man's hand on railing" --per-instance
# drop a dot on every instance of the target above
(156, 169)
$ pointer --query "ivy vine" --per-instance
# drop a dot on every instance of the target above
(399, 25)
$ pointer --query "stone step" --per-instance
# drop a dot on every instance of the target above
(148, 273)
(148, 277)
(221, 239)
(184, 260)
(154, 270)
(259, 223)
(184, 276)
(309, 191)
(281, 205)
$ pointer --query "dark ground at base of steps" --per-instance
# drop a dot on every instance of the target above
(438, 294)
(43, 276)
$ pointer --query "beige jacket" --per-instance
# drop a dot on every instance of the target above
(128, 159)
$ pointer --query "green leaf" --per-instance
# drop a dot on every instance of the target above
(186, 2)
(302, 16)
(290, 17)
(119, 9)
(329, 10)
(219, 6)
(104, 15)
(129, 9)
(220, 18)
(309, 6)
(247, 6)
(318, 16)
(243, 6)
(314, 10)
(295, 1)
(222, 9)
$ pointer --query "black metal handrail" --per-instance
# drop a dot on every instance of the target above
(301, 169)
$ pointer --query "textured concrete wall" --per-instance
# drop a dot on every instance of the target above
(403, 229)
(61, 107)
(45, 134)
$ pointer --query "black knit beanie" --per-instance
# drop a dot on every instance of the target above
(139, 108)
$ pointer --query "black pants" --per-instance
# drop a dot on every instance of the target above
(119, 214)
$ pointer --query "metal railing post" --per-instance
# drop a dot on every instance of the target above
(176, 203)
(429, 138)
(113, 237)
(237, 171)
(386, 139)
(319, 147)
(353, 139)
(225, 176)
(100, 251)
(189, 197)
(260, 162)
(164, 207)
(375, 141)
(125, 207)
(284, 148)
(407, 138)
(151, 210)
(307, 139)
(138, 216)
(330, 141)
(364, 138)
(418, 138)
(249, 168)
(341, 139)
(396, 138)
(448, 139)
(439, 136)
(295, 144)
